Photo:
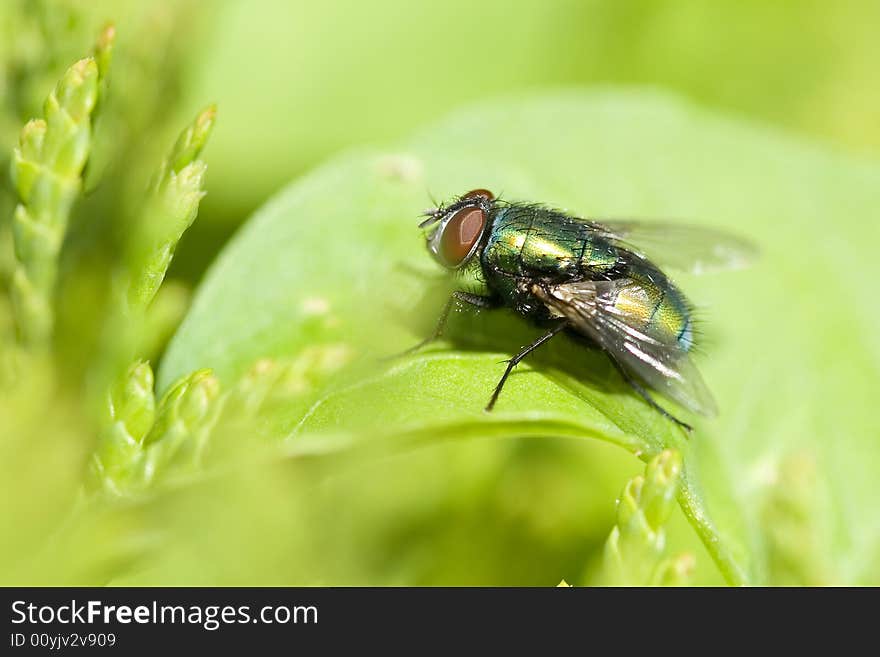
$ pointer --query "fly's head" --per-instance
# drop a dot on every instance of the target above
(455, 229)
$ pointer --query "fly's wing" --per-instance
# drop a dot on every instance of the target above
(665, 366)
(694, 249)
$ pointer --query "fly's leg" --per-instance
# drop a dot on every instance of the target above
(640, 389)
(525, 351)
(458, 297)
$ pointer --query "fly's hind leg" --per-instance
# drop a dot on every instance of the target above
(525, 351)
(640, 389)
(457, 298)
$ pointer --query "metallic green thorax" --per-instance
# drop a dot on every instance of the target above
(524, 242)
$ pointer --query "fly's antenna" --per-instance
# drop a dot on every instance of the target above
(433, 216)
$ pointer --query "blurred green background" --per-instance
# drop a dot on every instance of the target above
(296, 82)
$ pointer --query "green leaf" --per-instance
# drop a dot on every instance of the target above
(789, 347)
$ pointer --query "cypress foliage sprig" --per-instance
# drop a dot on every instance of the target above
(47, 171)
(131, 410)
(145, 440)
(171, 207)
(184, 420)
(635, 553)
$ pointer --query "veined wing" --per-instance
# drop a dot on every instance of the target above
(694, 249)
(664, 365)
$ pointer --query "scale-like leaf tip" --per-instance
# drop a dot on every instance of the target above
(192, 140)
(132, 401)
(26, 160)
(104, 49)
(676, 571)
(196, 401)
(661, 486)
(185, 404)
(76, 92)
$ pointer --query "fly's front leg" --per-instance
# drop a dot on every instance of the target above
(458, 297)
(525, 351)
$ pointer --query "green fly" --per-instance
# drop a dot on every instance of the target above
(598, 280)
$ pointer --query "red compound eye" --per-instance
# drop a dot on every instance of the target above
(460, 234)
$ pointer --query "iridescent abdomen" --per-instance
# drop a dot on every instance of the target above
(654, 305)
(528, 242)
